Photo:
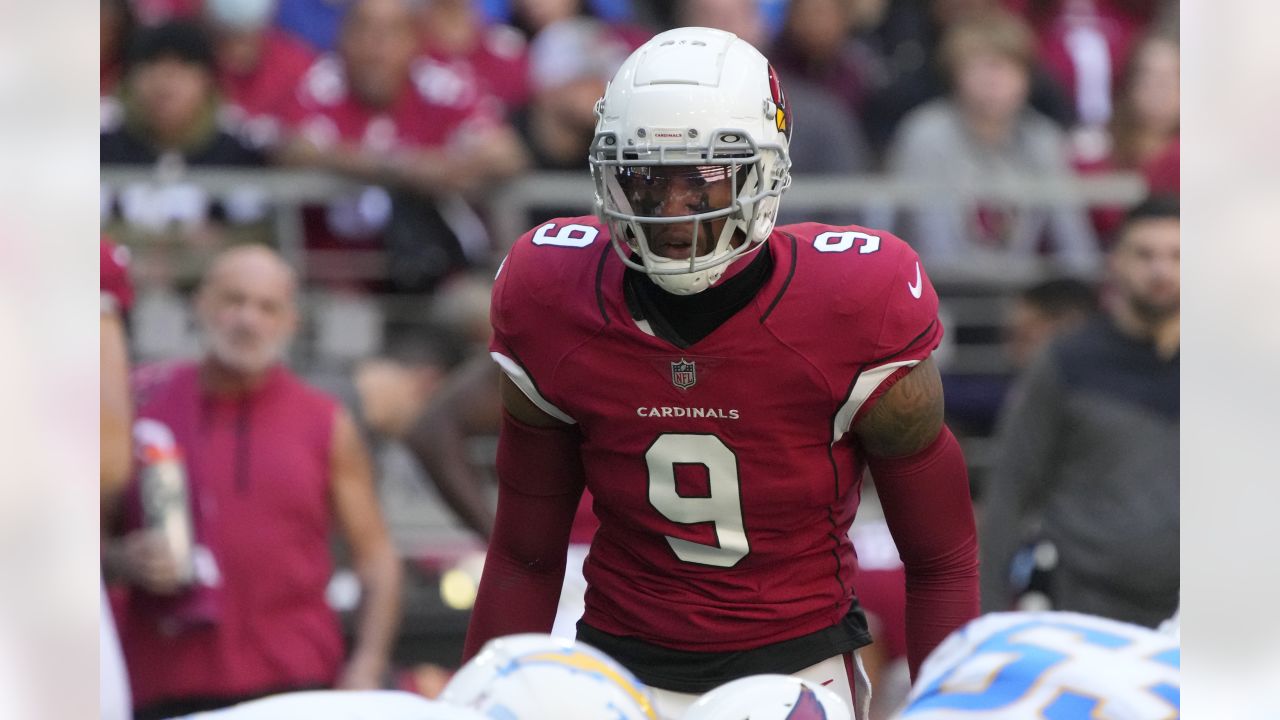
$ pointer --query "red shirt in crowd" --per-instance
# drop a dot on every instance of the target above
(268, 89)
(1085, 46)
(258, 469)
(499, 61)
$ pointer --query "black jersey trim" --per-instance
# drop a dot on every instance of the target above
(791, 272)
(600, 281)
(697, 672)
(831, 516)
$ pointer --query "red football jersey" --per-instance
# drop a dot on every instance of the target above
(499, 61)
(435, 105)
(269, 89)
(724, 475)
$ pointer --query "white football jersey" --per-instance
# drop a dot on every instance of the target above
(341, 705)
(1052, 665)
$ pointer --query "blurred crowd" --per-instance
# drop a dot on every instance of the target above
(429, 103)
(427, 106)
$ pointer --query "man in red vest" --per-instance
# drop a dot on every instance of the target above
(272, 465)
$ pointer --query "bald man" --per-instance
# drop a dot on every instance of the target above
(273, 465)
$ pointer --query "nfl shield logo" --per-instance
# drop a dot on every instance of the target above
(683, 374)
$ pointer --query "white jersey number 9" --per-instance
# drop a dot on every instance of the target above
(721, 506)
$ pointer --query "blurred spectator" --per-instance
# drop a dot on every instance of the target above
(466, 405)
(158, 12)
(533, 16)
(570, 63)
(906, 49)
(1146, 121)
(1087, 456)
(395, 385)
(1084, 44)
(740, 17)
(317, 22)
(1144, 129)
(832, 141)
(454, 33)
(469, 404)
(171, 104)
(1035, 316)
(273, 465)
(259, 65)
(984, 134)
(814, 45)
(116, 447)
(170, 119)
(418, 129)
(1044, 311)
(115, 27)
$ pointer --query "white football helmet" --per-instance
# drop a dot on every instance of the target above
(707, 104)
(540, 677)
(1015, 665)
(769, 697)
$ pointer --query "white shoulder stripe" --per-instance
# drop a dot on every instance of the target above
(525, 383)
(866, 384)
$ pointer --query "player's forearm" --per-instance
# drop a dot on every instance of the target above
(115, 416)
(440, 446)
(514, 597)
(381, 580)
(460, 489)
(501, 155)
(926, 503)
(540, 483)
(421, 170)
(942, 595)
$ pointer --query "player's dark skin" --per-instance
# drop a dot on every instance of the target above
(671, 192)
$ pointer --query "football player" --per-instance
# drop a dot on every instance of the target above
(719, 385)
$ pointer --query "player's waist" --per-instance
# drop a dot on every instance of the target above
(698, 671)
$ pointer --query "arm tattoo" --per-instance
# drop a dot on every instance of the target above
(907, 418)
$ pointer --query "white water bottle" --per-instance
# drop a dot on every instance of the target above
(166, 499)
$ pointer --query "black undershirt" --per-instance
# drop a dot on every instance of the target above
(683, 320)
(689, 671)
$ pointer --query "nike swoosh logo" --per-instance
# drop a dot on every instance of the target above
(918, 286)
(828, 682)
